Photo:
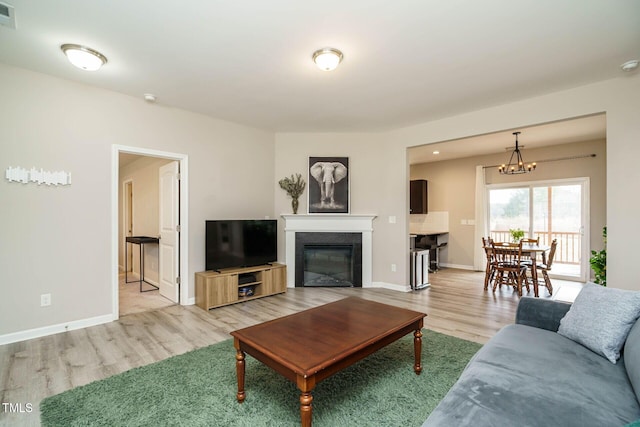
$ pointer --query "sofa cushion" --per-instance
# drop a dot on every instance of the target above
(527, 376)
(600, 319)
(632, 358)
(541, 313)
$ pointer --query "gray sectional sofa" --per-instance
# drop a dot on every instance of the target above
(529, 374)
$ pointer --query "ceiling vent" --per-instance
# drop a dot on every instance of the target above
(7, 16)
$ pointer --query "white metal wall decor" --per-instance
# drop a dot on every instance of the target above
(38, 176)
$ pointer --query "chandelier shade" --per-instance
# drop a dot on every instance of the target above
(516, 165)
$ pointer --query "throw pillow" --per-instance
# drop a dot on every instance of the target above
(601, 318)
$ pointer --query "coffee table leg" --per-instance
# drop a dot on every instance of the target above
(417, 351)
(240, 370)
(305, 408)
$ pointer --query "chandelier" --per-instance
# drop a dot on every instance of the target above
(516, 164)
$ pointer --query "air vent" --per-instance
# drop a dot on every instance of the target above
(7, 16)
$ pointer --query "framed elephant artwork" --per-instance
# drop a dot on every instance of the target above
(328, 185)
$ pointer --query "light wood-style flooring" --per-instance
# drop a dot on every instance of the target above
(30, 370)
(131, 300)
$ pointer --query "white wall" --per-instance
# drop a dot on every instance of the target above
(58, 240)
(375, 186)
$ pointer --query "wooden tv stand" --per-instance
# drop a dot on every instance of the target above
(220, 288)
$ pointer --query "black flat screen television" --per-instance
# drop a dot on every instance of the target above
(240, 243)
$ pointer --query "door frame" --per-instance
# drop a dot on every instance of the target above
(584, 182)
(183, 212)
(127, 205)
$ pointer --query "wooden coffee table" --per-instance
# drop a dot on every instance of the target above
(309, 346)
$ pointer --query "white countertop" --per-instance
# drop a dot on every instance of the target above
(429, 232)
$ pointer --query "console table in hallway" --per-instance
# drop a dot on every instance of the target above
(140, 241)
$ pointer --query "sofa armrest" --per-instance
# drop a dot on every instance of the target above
(541, 313)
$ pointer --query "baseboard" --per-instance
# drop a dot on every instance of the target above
(392, 286)
(459, 266)
(54, 329)
(63, 327)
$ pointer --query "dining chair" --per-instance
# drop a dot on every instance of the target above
(545, 267)
(490, 270)
(527, 260)
(509, 269)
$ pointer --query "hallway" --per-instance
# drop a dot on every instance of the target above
(131, 300)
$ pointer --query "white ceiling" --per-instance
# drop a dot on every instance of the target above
(405, 62)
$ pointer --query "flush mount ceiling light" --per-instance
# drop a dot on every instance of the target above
(630, 65)
(84, 57)
(516, 166)
(327, 59)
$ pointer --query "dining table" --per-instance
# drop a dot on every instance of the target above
(531, 250)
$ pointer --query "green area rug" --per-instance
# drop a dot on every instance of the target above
(199, 389)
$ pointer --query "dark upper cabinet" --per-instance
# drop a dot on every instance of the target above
(418, 197)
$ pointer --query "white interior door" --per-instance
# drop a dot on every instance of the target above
(169, 253)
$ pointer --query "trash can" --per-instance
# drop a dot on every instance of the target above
(419, 263)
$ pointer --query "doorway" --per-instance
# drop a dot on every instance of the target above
(124, 224)
(547, 210)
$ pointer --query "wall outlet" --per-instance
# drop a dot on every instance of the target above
(392, 219)
(393, 268)
(45, 300)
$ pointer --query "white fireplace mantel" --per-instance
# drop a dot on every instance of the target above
(327, 223)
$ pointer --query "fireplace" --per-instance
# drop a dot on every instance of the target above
(328, 259)
(356, 231)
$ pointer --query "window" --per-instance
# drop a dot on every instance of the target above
(546, 210)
